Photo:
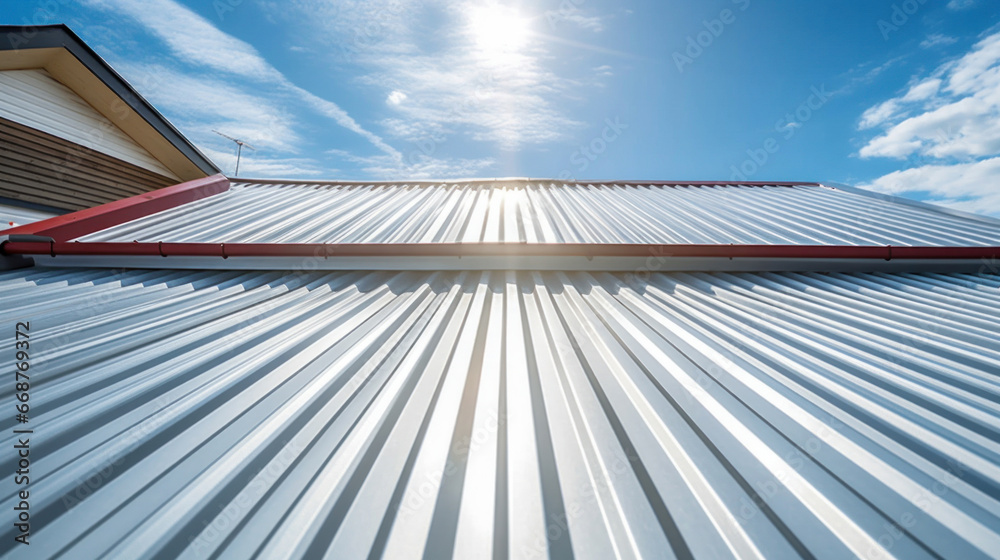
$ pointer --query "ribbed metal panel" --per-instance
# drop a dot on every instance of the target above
(35, 99)
(470, 415)
(544, 212)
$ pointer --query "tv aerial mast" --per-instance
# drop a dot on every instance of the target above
(239, 149)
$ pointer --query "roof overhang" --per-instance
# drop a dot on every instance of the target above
(57, 50)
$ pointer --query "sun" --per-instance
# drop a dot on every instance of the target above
(498, 32)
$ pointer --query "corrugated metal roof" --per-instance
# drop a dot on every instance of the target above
(590, 415)
(547, 212)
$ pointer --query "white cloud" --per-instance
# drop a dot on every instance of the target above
(202, 103)
(878, 114)
(961, 4)
(487, 80)
(590, 23)
(417, 166)
(948, 124)
(604, 71)
(936, 39)
(395, 97)
(896, 108)
(571, 11)
(195, 40)
(332, 111)
(923, 90)
(863, 74)
(256, 165)
(791, 125)
(957, 111)
(411, 131)
(977, 71)
(974, 186)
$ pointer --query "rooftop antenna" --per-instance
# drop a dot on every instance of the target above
(239, 150)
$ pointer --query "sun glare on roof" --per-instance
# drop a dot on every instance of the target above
(498, 32)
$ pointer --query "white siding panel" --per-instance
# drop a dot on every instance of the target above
(36, 99)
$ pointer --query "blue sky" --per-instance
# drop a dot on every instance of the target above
(897, 96)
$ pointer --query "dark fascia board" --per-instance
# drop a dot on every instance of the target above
(18, 37)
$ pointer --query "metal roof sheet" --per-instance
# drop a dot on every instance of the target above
(536, 211)
(593, 415)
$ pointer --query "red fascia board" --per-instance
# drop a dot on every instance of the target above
(226, 250)
(83, 222)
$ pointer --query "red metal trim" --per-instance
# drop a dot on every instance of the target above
(226, 250)
(77, 224)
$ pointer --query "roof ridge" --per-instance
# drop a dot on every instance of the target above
(521, 180)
